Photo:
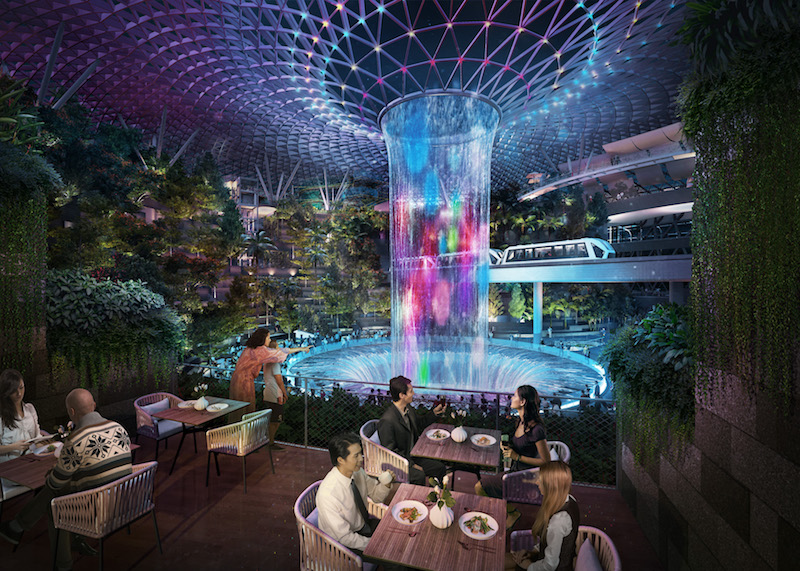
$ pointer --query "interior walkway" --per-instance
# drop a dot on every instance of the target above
(221, 528)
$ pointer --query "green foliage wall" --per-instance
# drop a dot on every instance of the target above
(95, 324)
(25, 180)
(742, 109)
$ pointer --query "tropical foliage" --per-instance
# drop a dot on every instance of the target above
(741, 108)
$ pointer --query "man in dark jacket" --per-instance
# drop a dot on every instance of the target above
(401, 425)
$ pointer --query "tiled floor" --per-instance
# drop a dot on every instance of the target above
(221, 528)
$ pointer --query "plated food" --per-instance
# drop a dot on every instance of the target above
(409, 512)
(483, 439)
(187, 404)
(217, 407)
(47, 448)
(478, 525)
(437, 434)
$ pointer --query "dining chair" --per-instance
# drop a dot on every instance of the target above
(240, 439)
(603, 546)
(520, 487)
(378, 458)
(157, 428)
(99, 512)
(318, 550)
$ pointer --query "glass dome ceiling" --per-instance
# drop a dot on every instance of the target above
(274, 84)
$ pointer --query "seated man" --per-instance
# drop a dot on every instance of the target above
(98, 451)
(342, 510)
(400, 427)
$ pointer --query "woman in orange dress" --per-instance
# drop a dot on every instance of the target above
(255, 354)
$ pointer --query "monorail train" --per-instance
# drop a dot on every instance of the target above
(585, 248)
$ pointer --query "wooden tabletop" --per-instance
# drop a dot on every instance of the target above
(31, 470)
(424, 546)
(199, 417)
(461, 452)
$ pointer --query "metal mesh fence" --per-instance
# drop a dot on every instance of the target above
(319, 408)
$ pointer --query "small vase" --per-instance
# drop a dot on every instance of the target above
(458, 434)
(201, 403)
(441, 517)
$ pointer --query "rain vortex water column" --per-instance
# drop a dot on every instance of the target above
(440, 149)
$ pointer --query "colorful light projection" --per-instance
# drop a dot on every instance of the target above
(439, 149)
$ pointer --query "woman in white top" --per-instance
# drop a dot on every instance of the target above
(18, 420)
(556, 524)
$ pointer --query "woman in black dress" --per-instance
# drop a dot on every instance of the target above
(527, 446)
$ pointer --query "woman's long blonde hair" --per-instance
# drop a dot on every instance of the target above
(555, 480)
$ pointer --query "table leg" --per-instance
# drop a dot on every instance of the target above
(178, 451)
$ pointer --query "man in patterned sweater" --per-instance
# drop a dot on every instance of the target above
(97, 452)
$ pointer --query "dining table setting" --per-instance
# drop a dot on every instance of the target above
(409, 533)
(478, 446)
(193, 418)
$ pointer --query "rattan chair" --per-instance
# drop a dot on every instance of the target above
(603, 546)
(521, 487)
(240, 439)
(378, 458)
(155, 428)
(99, 512)
(318, 550)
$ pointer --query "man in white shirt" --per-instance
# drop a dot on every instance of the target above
(342, 514)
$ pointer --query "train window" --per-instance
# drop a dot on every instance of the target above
(558, 251)
(598, 252)
(540, 253)
(529, 253)
(581, 250)
(569, 251)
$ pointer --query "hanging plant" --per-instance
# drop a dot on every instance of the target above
(742, 111)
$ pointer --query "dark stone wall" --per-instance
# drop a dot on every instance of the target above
(730, 499)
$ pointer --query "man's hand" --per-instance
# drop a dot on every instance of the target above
(439, 409)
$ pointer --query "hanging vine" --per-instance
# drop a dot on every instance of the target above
(742, 109)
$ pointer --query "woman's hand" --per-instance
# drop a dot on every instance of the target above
(522, 558)
(18, 446)
(508, 452)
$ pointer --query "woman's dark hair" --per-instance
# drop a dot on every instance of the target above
(9, 383)
(340, 444)
(257, 338)
(531, 408)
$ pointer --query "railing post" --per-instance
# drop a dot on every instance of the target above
(497, 414)
(305, 412)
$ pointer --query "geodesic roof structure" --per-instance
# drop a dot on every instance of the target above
(279, 84)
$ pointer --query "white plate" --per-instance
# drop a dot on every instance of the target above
(217, 407)
(475, 438)
(187, 404)
(44, 450)
(423, 511)
(477, 535)
(432, 434)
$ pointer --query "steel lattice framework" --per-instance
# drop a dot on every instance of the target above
(271, 84)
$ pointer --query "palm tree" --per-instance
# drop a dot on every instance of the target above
(257, 246)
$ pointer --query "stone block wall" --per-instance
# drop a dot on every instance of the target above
(731, 499)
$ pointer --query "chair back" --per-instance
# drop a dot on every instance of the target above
(378, 458)
(561, 449)
(603, 546)
(144, 422)
(318, 550)
(99, 512)
(241, 438)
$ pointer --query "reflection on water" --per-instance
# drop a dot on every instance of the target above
(508, 367)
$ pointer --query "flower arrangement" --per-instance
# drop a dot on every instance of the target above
(61, 432)
(200, 390)
(440, 495)
(458, 417)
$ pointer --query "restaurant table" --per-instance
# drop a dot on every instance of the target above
(194, 419)
(30, 470)
(466, 452)
(424, 546)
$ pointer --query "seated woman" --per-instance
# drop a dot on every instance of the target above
(556, 524)
(18, 420)
(526, 447)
